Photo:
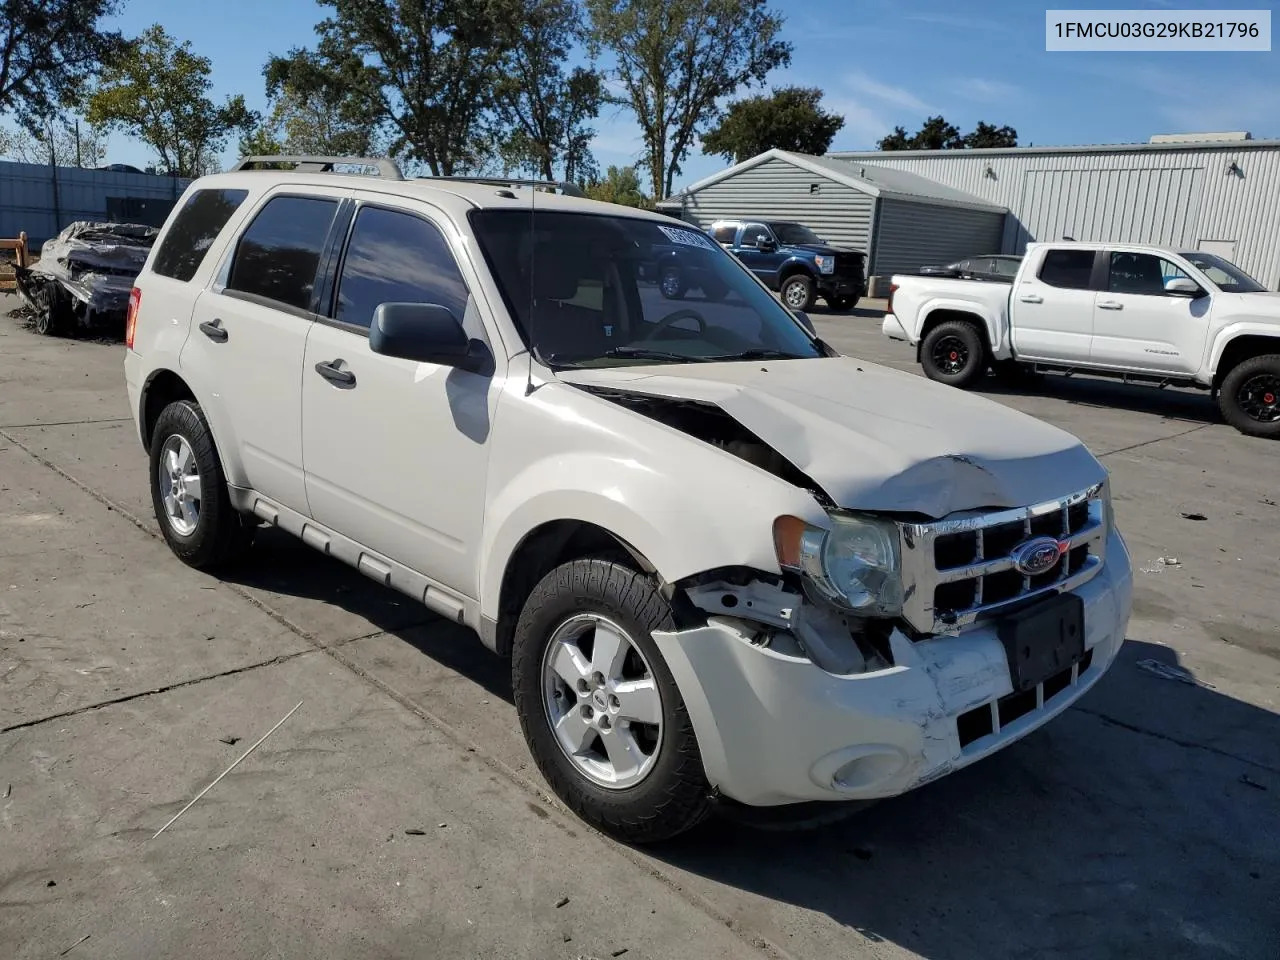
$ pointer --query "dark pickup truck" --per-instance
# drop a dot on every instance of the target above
(791, 259)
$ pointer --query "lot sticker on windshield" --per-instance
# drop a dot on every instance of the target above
(687, 237)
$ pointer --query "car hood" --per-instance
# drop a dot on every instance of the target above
(874, 438)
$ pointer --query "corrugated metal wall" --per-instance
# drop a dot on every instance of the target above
(28, 201)
(779, 190)
(911, 235)
(1086, 195)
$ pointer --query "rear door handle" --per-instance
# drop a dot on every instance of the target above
(214, 330)
(1110, 305)
(335, 374)
(1032, 298)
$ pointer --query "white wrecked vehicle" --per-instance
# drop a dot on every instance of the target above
(729, 565)
(83, 277)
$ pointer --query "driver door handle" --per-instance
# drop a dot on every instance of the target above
(330, 370)
(215, 331)
(1110, 305)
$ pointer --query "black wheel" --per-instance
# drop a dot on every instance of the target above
(714, 291)
(600, 711)
(798, 292)
(842, 304)
(51, 311)
(953, 353)
(672, 283)
(1250, 396)
(189, 491)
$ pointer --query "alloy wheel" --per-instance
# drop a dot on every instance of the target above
(180, 488)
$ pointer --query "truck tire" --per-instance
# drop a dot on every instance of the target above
(637, 780)
(1249, 397)
(189, 491)
(798, 292)
(672, 283)
(953, 353)
(842, 304)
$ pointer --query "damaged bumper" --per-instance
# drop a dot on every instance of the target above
(775, 728)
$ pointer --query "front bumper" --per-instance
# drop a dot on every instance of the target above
(833, 286)
(775, 729)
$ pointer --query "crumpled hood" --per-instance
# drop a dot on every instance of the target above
(874, 438)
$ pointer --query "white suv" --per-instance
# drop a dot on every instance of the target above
(729, 566)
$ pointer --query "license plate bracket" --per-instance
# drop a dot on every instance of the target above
(1043, 639)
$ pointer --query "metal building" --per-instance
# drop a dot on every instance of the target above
(902, 221)
(1214, 192)
(41, 199)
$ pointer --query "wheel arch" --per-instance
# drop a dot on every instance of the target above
(161, 388)
(940, 315)
(1236, 349)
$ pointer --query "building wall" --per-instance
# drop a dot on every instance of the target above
(911, 235)
(1179, 197)
(779, 190)
(28, 200)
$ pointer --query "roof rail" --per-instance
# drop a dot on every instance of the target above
(387, 169)
(568, 189)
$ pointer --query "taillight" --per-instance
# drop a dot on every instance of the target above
(131, 318)
(893, 288)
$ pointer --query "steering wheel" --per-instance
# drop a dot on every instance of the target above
(682, 314)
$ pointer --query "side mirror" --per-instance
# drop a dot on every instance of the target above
(427, 333)
(806, 322)
(1182, 287)
(765, 243)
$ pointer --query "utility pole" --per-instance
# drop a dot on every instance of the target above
(79, 162)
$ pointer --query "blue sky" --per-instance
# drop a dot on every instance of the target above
(881, 62)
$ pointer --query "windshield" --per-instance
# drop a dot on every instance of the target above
(1224, 273)
(792, 233)
(597, 290)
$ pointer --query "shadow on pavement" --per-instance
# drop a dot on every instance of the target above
(1144, 822)
(1172, 404)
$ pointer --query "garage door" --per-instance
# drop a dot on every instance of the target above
(1158, 206)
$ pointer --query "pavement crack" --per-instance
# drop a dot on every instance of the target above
(191, 682)
(62, 423)
(1177, 741)
(1147, 443)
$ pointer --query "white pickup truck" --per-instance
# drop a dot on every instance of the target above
(1141, 313)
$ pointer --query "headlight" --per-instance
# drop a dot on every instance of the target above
(825, 264)
(854, 564)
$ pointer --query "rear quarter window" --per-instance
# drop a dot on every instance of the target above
(193, 231)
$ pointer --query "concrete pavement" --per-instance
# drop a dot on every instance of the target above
(1144, 822)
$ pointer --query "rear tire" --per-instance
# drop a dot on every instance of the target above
(842, 304)
(667, 792)
(953, 353)
(798, 292)
(1249, 397)
(189, 491)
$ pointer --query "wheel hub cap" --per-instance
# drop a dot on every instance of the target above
(1258, 396)
(602, 701)
(178, 478)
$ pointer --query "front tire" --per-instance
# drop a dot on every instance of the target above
(798, 292)
(189, 491)
(1249, 397)
(953, 353)
(599, 708)
(842, 304)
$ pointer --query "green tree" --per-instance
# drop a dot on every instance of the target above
(937, 134)
(427, 71)
(310, 115)
(676, 60)
(620, 185)
(543, 114)
(158, 92)
(48, 51)
(57, 141)
(790, 118)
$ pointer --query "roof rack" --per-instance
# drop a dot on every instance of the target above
(387, 169)
(568, 189)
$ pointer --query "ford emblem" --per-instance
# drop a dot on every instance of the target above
(1037, 556)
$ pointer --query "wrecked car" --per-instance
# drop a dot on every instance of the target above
(731, 568)
(83, 277)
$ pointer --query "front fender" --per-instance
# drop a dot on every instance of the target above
(1233, 331)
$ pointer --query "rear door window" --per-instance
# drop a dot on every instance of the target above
(1072, 269)
(278, 257)
(193, 231)
(396, 257)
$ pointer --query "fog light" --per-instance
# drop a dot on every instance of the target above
(859, 770)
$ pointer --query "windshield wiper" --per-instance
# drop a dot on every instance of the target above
(645, 353)
(759, 353)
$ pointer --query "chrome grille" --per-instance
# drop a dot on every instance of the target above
(961, 568)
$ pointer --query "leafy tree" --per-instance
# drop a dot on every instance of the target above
(48, 50)
(158, 92)
(620, 185)
(311, 116)
(937, 134)
(988, 135)
(677, 59)
(427, 71)
(543, 112)
(790, 118)
(59, 142)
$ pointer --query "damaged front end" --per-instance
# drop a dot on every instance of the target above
(83, 277)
